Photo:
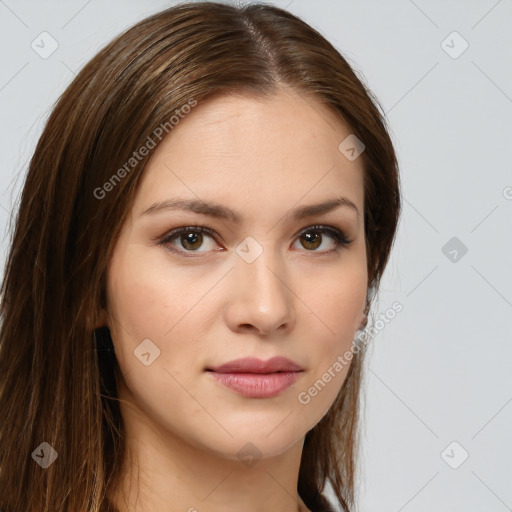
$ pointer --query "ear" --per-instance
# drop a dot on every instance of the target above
(364, 315)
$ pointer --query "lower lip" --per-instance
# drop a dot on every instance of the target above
(257, 385)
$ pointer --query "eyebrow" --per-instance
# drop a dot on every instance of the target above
(223, 212)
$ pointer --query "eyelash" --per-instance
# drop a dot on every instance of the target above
(338, 235)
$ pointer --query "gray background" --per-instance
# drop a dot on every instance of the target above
(440, 371)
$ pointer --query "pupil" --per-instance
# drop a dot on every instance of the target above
(312, 238)
(191, 239)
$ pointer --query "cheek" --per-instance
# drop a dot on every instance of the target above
(135, 305)
(138, 298)
(337, 312)
(338, 302)
(146, 297)
(150, 300)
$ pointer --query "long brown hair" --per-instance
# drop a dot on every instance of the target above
(58, 374)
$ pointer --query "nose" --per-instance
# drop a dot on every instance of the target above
(262, 299)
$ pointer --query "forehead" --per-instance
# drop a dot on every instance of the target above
(250, 152)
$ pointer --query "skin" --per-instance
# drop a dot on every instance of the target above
(261, 157)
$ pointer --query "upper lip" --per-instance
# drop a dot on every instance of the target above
(255, 365)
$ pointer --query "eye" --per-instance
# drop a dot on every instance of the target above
(191, 238)
(313, 238)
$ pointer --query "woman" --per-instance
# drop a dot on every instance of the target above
(202, 230)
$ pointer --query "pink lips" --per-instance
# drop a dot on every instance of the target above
(255, 378)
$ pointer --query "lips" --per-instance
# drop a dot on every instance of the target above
(254, 365)
(254, 378)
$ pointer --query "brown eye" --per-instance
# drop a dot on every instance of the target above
(311, 241)
(192, 239)
(313, 237)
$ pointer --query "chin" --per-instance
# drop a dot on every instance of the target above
(254, 442)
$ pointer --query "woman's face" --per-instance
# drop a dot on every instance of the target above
(270, 284)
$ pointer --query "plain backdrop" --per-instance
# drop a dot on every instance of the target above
(438, 389)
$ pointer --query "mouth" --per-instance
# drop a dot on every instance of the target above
(254, 365)
(255, 378)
